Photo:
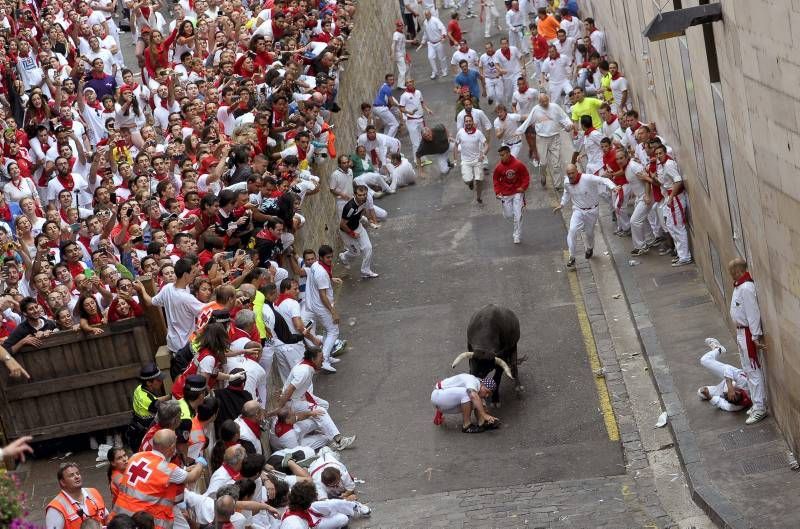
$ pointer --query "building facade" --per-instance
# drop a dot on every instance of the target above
(725, 96)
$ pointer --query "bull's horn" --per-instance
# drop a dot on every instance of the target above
(502, 364)
(461, 357)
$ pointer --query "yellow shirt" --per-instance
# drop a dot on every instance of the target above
(588, 106)
(605, 86)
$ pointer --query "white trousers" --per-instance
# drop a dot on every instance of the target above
(390, 123)
(512, 210)
(675, 220)
(356, 246)
(619, 202)
(437, 59)
(656, 220)
(440, 161)
(402, 69)
(495, 89)
(267, 355)
(549, 148)
(414, 127)
(640, 227)
(449, 400)
(556, 90)
(335, 513)
(509, 83)
(581, 220)
(471, 171)
(755, 376)
(517, 38)
(710, 361)
(325, 320)
(324, 422)
(372, 180)
(490, 14)
(515, 148)
(287, 356)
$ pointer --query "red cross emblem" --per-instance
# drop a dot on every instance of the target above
(137, 471)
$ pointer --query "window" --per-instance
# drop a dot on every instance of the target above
(694, 119)
(727, 168)
(716, 265)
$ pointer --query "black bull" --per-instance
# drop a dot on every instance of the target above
(493, 333)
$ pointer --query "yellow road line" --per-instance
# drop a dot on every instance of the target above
(594, 359)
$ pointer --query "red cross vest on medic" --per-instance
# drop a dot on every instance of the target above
(73, 517)
(145, 486)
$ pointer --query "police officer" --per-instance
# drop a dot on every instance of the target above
(146, 397)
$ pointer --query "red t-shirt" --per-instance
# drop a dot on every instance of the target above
(510, 178)
(455, 30)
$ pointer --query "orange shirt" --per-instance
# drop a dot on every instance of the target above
(548, 28)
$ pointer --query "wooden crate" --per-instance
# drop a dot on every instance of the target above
(78, 383)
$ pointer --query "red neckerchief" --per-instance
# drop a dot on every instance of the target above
(229, 444)
(98, 76)
(522, 91)
(506, 53)
(254, 427)
(635, 127)
(611, 118)
(301, 153)
(231, 472)
(616, 76)
(63, 214)
(468, 131)
(577, 180)
(568, 18)
(5, 212)
(589, 131)
(283, 296)
(74, 268)
(327, 268)
(410, 90)
(305, 515)
(309, 363)
(94, 320)
(268, 235)
(744, 278)
(282, 427)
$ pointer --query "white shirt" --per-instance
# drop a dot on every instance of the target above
(471, 56)
(433, 31)
(412, 102)
(54, 187)
(462, 380)
(302, 378)
(508, 129)
(247, 434)
(511, 66)
(218, 479)
(470, 145)
(317, 279)
(745, 311)
(202, 508)
(574, 27)
(667, 174)
(598, 40)
(636, 185)
(329, 460)
(515, 19)
(488, 66)
(482, 122)
(399, 45)
(524, 102)
(547, 122)
(612, 131)
(590, 144)
(181, 309)
(586, 193)
(618, 86)
(557, 70)
(402, 174)
(566, 48)
(382, 144)
(289, 309)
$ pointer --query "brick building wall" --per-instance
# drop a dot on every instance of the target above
(363, 74)
(734, 128)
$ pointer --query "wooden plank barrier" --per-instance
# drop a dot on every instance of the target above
(78, 384)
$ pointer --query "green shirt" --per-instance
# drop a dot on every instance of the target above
(588, 107)
(361, 166)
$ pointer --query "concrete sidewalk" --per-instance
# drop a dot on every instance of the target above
(738, 474)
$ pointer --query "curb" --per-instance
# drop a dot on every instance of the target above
(637, 465)
(721, 511)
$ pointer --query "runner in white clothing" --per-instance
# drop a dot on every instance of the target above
(489, 13)
(583, 190)
(675, 206)
(524, 98)
(471, 150)
(544, 141)
(589, 143)
(399, 55)
(512, 67)
(433, 34)
(492, 74)
(516, 21)
(505, 129)
(639, 188)
(413, 109)
(298, 392)
(556, 69)
(465, 53)
(464, 394)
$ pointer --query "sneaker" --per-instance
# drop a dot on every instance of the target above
(338, 347)
(343, 443)
(649, 244)
(471, 185)
(361, 511)
(681, 262)
(756, 416)
(625, 233)
(334, 360)
(664, 251)
(444, 74)
(378, 194)
(571, 262)
(369, 275)
(700, 393)
(433, 77)
(426, 163)
(479, 201)
(589, 253)
(639, 251)
(344, 261)
(713, 343)
(674, 259)
(516, 239)
(328, 368)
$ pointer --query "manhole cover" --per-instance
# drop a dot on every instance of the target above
(743, 438)
(765, 463)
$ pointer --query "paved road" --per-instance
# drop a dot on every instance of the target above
(440, 259)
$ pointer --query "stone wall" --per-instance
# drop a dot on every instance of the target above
(743, 178)
(362, 76)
